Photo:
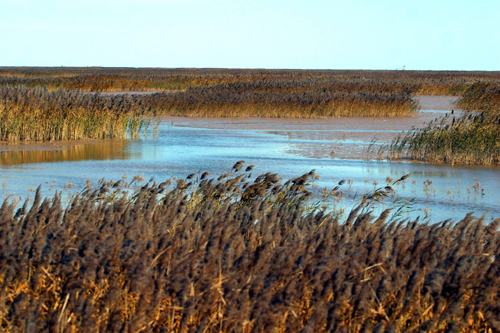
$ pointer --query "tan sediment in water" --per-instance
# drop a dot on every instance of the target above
(437, 102)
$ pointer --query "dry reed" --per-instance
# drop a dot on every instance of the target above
(237, 255)
(260, 93)
(469, 139)
(144, 79)
(36, 114)
(226, 101)
(482, 96)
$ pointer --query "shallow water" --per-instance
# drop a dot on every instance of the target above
(333, 147)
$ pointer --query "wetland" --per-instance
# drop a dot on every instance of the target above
(335, 147)
(228, 200)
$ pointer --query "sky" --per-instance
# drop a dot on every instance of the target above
(307, 34)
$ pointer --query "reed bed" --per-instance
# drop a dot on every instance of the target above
(144, 79)
(237, 255)
(36, 114)
(66, 113)
(257, 93)
(473, 138)
(227, 101)
(483, 96)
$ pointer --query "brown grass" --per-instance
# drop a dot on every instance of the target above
(223, 101)
(482, 96)
(35, 114)
(258, 93)
(146, 79)
(234, 255)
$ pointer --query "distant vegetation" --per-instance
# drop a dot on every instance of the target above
(233, 255)
(473, 138)
(147, 79)
(250, 101)
(211, 93)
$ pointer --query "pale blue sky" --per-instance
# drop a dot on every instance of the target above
(312, 34)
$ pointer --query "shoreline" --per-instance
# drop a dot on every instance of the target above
(353, 129)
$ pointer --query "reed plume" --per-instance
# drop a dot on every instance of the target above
(227, 255)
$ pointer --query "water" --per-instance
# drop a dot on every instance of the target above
(333, 147)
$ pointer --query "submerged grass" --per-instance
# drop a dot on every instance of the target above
(36, 114)
(238, 255)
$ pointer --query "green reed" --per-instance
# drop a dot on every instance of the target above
(473, 138)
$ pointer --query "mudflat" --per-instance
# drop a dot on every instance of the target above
(428, 102)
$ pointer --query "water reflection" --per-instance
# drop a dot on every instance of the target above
(108, 150)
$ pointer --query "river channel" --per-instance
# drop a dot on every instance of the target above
(335, 148)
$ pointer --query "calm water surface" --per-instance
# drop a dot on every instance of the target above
(287, 147)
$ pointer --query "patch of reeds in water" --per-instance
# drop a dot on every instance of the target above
(473, 138)
(235, 255)
(36, 114)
